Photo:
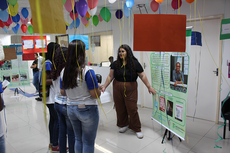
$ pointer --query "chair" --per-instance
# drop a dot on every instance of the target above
(225, 109)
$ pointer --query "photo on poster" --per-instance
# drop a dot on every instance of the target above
(15, 78)
(23, 77)
(6, 65)
(162, 103)
(179, 112)
(6, 77)
(179, 72)
(170, 108)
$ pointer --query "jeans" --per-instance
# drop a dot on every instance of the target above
(2, 144)
(53, 125)
(36, 80)
(64, 127)
(85, 124)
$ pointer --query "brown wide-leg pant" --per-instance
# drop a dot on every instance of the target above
(126, 106)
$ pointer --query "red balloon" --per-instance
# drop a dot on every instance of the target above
(72, 17)
(6, 24)
(1, 24)
(24, 28)
(175, 4)
(31, 21)
(92, 3)
(9, 21)
(154, 5)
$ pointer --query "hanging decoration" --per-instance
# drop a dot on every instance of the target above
(154, 6)
(105, 14)
(119, 14)
(126, 11)
(82, 7)
(189, 1)
(176, 4)
(30, 29)
(92, 3)
(129, 3)
(24, 28)
(25, 12)
(95, 20)
(159, 1)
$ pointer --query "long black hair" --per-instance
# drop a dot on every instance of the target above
(58, 62)
(51, 47)
(75, 64)
(130, 58)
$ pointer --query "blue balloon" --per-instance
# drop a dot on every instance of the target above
(76, 23)
(17, 26)
(71, 26)
(3, 4)
(4, 15)
(129, 3)
(24, 12)
(16, 18)
(127, 11)
(4, 28)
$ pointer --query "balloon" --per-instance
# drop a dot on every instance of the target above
(95, 20)
(72, 16)
(64, 2)
(126, 11)
(24, 28)
(30, 29)
(92, 3)
(66, 27)
(9, 21)
(105, 14)
(68, 5)
(84, 21)
(3, 5)
(189, 1)
(87, 15)
(13, 10)
(82, 7)
(6, 24)
(159, 1)
(17, 26)
(76, 23)
(100, 18)
(75, 8)
(93, 11)
(112, 1)
(129, 3)
(154, 6)
(12, 25)
(119, 14)
(87, 24)
(16, 18)
(175, 4)
(15, 29)
(1, 24)
(31, 21)
(71, 26)
(24, 21)
(24, 12)
(4, 28)
(12, 2)
(67, 23)
(4, 15)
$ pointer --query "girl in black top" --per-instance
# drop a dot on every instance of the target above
(124, 71)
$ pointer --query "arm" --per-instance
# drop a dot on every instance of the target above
(144, 79)
(48, 80)
(109, 79)
(33, 66)
(181, 81)
(63, 93)
(95, 93)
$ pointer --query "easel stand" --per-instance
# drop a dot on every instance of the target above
(169, 136)
(16, 91)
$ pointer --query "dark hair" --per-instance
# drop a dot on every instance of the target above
(36, 54)
(111, 58)
(75, 64)
(58, 62)
(129, 58)
(51, 47)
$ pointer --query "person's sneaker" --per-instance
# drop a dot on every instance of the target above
(38, 99)
(55, 148)
(123, 129)
(139, 135)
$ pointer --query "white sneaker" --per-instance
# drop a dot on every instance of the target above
(139, 135)
(123, 129)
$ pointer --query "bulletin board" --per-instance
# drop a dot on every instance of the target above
(33, 44)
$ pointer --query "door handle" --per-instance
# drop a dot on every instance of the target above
(216, 71)
(144, 65)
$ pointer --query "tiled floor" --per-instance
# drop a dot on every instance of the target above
(27, 131)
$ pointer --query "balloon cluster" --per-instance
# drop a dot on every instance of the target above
(10, 17)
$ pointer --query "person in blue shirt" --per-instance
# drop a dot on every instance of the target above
(78, 82)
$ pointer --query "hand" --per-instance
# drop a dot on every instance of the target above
(103, 89)
(4, 88)
(175, 83)
(100, 86)
(152, 90)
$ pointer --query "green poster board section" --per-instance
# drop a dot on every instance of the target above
(170, 103)
(225, 29)
(16, 72)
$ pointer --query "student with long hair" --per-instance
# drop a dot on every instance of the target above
(124, 72)
(53, 122)
(79, 83)
(65, 126)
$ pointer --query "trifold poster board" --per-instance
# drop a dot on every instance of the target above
(170, 103)
(16, 72)
(33, 44)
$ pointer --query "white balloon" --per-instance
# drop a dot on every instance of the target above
(112, 1)
(93, 11)
(12, 25)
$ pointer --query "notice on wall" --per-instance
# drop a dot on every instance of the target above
(33, 44)
(169, 76)
(28, 44)
(40, 44)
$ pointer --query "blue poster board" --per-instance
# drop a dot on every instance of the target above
(83, 38)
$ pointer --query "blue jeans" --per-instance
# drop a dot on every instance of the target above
(85, 124)
(36, 80)
(53, 125)
(64, 127)
(2, 144)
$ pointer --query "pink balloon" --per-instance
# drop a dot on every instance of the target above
(68, 5)
(24, 21)
(9, 21)
(154, 5)
(84, 20)
(100, 18)
(72, 16)
(21, 16)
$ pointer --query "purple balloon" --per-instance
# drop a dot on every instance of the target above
(66, 27)
(82, 7)
(119, 14)
(75, 8)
